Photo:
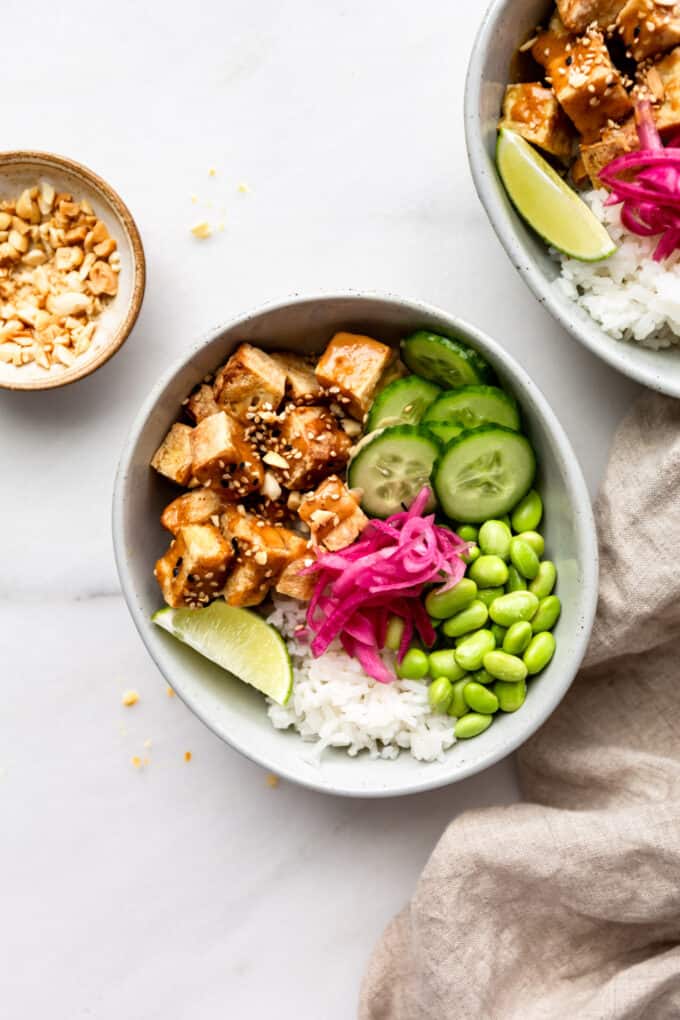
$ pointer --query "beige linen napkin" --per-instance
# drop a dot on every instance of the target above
(567, 907)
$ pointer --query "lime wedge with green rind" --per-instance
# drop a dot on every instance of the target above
(547, 202)
(236, 639)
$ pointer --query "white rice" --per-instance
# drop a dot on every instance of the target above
(334, 703)
(629, 295)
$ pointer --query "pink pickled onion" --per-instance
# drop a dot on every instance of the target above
(384, 573)
(650, 193)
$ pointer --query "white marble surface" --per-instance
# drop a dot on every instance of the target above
(195, 891)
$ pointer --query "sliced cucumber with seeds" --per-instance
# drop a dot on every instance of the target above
(403, 402)
(392, 466)
(475, 406)
(445, 431)
(484, 473)
(446, 362)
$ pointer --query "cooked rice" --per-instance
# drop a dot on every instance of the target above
(630, 295)
(334, 703)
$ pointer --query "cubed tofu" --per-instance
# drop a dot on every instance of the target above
(578, 14)
(197, 507)
(333, 514)
(667, 114)
(587, 84)
(351, 367)
(614, 142)
(201, 404)
(251, 381)
(194, 569)
(173, 458)
(295, 582)
(312, 446)
(262, 552)
(223, 459)
(534, 113)
(302, 386)
(649, 27)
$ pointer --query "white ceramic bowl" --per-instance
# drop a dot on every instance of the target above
(506, 25)
(236, 712)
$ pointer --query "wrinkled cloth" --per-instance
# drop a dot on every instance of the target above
(567, 906)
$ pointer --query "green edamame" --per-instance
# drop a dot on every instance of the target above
(443, 663)
(468, 620)
(480, 698)
(488, 572)
(547, 614)
(488, 595)
(458, 706)
(471, 725)
(505, 667)
(494, 539)
(544, 582)
(481, 676)
(440, 693)
(505, 519)
(516, 605)
(443, 605)
(511, 697)
(523, 557)
(499, 633)
(472, 649)
(515, 580)
(468, 532)
(414, 665)
(536, 541)
(528, 513)
(395, 632)
(471, 555)
(539, 653)
(517, 637)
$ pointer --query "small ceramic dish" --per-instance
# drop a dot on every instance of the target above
(237, 713)
(21, 170)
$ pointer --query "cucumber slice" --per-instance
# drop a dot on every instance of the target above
(475, 406)
(449, 363)
(392, 466)
(445, 431)
(403, 402)
(484, 473)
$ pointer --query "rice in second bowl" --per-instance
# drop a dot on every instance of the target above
(629, 294)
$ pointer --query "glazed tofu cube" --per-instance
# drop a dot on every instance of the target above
(578, 14)
(197, 507)
(649, 27)
(534, 113)
(668, 112)
(587, 84)
(202, 403)
(333, 514)
(251, 381)
(312, 446)
(351, 367)
(296, 584)
(173, 457)
(302, 386)
(614, 142)
(194, 569)
(223, 459)
(262, 552)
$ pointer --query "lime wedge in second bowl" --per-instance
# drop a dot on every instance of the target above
(238, 640)
(547, 202)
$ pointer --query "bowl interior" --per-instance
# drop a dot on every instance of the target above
(506, 25)
(236, 712)
(17, 173)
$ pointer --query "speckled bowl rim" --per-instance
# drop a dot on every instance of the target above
(581, 508)
(47, 159)
(501, 214)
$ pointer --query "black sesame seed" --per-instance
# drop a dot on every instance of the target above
(569, 61)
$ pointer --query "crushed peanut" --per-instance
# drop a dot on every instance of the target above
(130, 698)
(202, 229)
(187, 755)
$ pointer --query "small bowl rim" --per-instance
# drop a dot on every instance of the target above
(500, 216)
(581, 504)
(15, 156)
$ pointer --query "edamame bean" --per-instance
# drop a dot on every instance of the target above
(481, 676)
(443, 605)
(536, 541)
(440, 693)
(547, 614)
(471, 555)
(505, 519)
(510, 696)
(505, 667)
(515, 580)
(499, 633)
(518, 637)
(414, 665)
(488, 572)
(471, 725)
(468, 532)
(544, 582)
(488, 595)
(540, 652)
(480, 699)
(472, 649)
(528, 513)
(472, 618)
(394, 634)
(458, 707)
(516, 605)
(494, 539)
(443, 663)
(524, 558)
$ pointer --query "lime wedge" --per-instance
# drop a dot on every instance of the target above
(547, 202)
(237, 640)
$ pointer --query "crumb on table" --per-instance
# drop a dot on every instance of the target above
(130, 698)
